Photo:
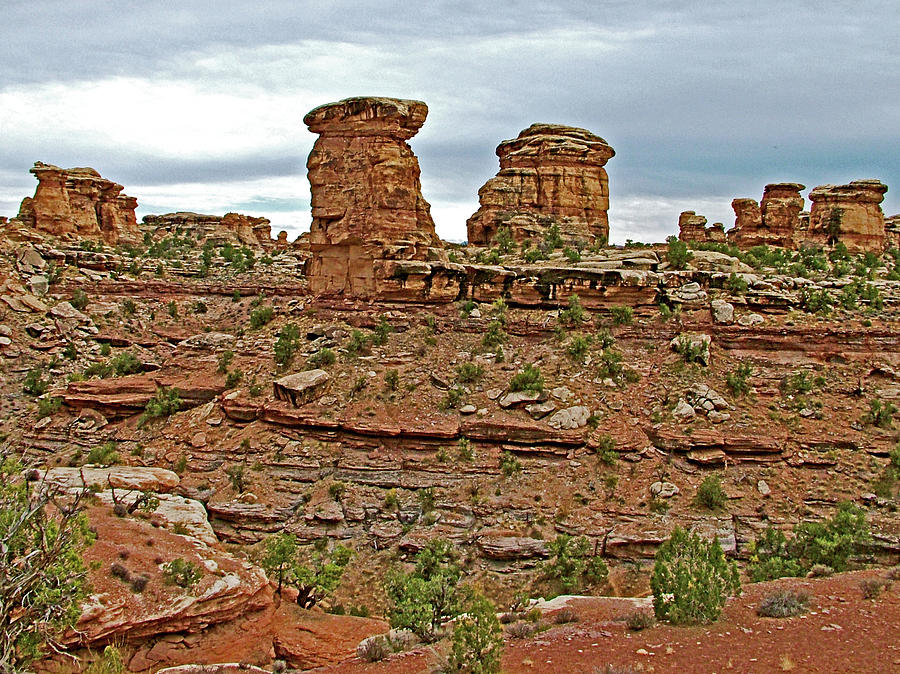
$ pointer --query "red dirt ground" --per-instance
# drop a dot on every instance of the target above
(842, 632)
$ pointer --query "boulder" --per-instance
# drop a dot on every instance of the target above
(664, 489)
(722, 312)
(570, 418)
(302, 387)
(137, 478)
(499, 546)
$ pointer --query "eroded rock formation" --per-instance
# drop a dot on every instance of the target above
(692, 227)
(892, 231)
(773, 222)
(549, 174)
(79, 203)
(367, 203)
(231, 228)
(850, 214)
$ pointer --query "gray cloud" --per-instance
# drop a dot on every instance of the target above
(702, 101)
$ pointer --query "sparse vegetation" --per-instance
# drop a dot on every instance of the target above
(784, 604)
(182, 573)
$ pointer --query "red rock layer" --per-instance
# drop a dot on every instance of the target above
(78, 202)
(550, 174)
(367, 203)
(850, 214)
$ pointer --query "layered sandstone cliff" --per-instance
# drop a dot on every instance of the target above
(773, 222)
(79, 203)
(230, 228)
(367, 203)
(549, 175)
(850, 214)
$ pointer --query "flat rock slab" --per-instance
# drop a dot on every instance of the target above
(120, 477)
(302, 387)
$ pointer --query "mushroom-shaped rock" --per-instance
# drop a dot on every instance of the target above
(302, 387)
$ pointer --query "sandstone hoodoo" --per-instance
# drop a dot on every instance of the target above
(367, 205)
(850, 214)
(549, 175)
(79, 203)
(776, 221)
(692, 227)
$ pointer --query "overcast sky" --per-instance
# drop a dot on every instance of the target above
(199, 105)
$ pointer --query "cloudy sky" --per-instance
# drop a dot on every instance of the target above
(198, 105)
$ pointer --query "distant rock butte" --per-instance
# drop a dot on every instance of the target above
(78, 202)
(367, 203)
(549, 174)
(231, 228)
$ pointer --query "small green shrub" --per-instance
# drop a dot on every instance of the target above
(358, 343)
(678, 254)
(287, 344)
(260, 316)
(126, 363)
(738, 380)
(48, 406)
(382, 332)
(691, 579)
(322, 358)
(468, 372)
(233, 378)
(164, 402)
(103, 455)
(553, 237)
(574, 315)
(578, 347)
(225, 359)
(880, 414)
(509, 464)
(504, 241)
(622, 315)
(494, 336)
(477, 641)
(710, 494)
(336, 490)
(736, 284)
(572, 563)
(35, 384)
(529, 379)
(391, 380)
(182, 573)
(79, 299)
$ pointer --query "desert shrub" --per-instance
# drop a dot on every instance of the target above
(880, 414)
(639, 620)
(816, 301)
(494, 336)
(572, 563)
(578, 347)
(691, 350)
(358, 343)
(321, 358)
(287, 344)
(770, 559)
(171, 307)
(691, 579)
(488, 257)
(423, 599)
(622, 315)
(529, 379)
(521, 630)
(119, 571)
(104, 455)
(391, 380)
(509, 464)
(164, 402)
(872, 587)
(784, 604)
(532, 255)
(736, 284)
(553, 237)
(465, 449)
(468, 372)
(375, 649)
(79, 299)
(182, 573)
(260, 316)
(139, 584)
(224, 361)
(48, 406)
(233, 378)
(572, 254)
(574, 315)
(237, 476)
(678, 254)
(382, 332)
(126, 363)
(477, 641)
(565, 616)
(336, 490)
(199, 307)
(35, 384)
(110, 662)
(738, 380)
(466, 308)
(504, 241)
(710, 494)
